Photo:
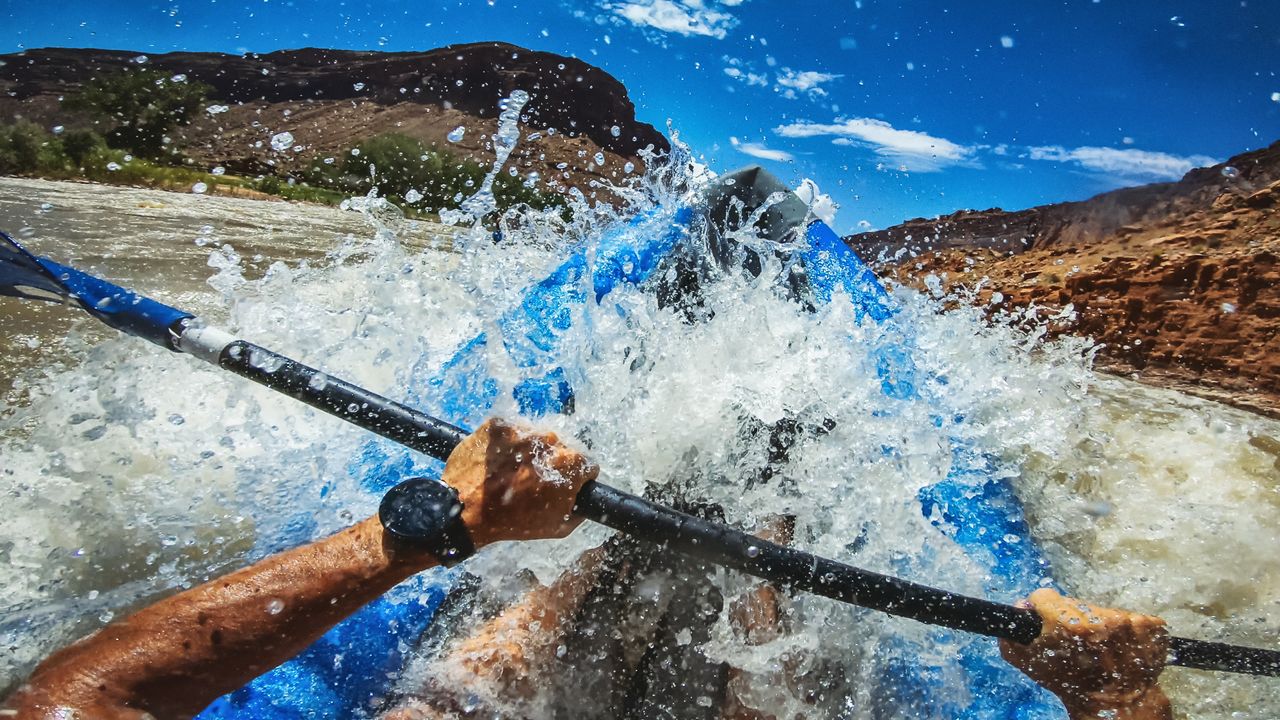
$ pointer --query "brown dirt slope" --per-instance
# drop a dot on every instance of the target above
(330, 99)
(1179, 281)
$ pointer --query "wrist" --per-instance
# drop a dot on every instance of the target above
(481, 533)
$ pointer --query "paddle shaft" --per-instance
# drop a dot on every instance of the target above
(700, 538)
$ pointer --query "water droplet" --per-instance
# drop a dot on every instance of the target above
(216, 109)
(199, 188)
(179, 78)
(456, 134)
(412, 196)
(141, 59)
(1230, 172)
(113, 166)
(358, 87)
(1275, 97)
(599, 158)
(629, 168)
(219, 170)
(282, 141)
(176, 419)
(1228, 307)
(753, 551)
(615, 131)
(275, 606)
(57, 129)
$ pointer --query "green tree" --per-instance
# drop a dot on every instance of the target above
(146, 106)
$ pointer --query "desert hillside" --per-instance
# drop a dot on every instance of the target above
(1180, 281)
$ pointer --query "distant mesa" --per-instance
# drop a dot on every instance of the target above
(329, 100)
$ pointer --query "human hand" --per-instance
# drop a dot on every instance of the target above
(760, 614)
(1099, 662)
(516, 484)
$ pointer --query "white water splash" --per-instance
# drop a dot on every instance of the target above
(505, 139)
(110, 501)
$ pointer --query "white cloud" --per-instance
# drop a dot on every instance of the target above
(735, 69)
(749, 78)
(808, 82)
(758, 150)
(684, 17)
(909, 149)
(1128, 163)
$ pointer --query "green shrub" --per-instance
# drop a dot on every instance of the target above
(269, 184)
(21, 148)
(396, 164)
(79, 144)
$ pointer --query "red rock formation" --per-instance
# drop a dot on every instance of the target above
(1179, 281)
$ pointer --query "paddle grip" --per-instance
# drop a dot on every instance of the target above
(700, 538)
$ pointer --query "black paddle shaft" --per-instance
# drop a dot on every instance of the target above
(703, 539)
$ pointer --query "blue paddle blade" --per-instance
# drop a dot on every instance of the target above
(24, 275)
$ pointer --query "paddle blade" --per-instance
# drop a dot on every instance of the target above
(22, 275)
(25, 275)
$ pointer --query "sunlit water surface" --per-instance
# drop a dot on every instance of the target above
(128, 472)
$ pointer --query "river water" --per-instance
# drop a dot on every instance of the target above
(127, 472)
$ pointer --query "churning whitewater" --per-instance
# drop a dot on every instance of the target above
(129, 472)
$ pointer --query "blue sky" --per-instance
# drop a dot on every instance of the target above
(896, 109)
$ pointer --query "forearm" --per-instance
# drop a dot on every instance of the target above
(175, 657)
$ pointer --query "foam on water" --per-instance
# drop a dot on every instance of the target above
(137, 472)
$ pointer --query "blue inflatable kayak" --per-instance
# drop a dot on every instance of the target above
(350, 671)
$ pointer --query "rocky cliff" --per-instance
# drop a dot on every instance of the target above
(330, 99)
(1179, 281)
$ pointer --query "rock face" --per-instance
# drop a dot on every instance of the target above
(330, 99)
(1179, 281)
